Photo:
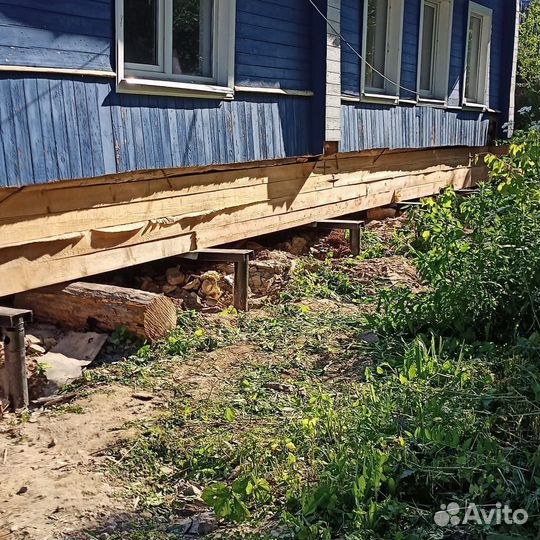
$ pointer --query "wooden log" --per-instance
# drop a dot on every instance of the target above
(107, 307)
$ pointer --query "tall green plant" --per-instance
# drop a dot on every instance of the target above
(480, 256)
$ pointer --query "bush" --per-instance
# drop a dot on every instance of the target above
(480, 257)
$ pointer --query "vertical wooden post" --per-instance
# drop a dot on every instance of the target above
(241, 278)
(354, 239)
(15, 363)
(12, 329)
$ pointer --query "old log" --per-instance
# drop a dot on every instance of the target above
(106, 307)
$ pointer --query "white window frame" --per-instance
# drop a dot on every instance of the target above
(441, 52)
(394, 41)
(143, 79)
(486, 15)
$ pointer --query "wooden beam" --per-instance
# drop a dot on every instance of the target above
(51, 233)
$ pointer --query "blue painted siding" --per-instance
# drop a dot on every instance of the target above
(272, 47)
(59, 128)
(274, 44)
(502, 35)
(57, 33)
(374, 126)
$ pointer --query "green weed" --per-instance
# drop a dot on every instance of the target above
(479, 256)
(329, 279)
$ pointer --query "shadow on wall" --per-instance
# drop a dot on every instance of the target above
(74, 127)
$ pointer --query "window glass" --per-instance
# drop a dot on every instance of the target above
(473, 58)
(377, 24)
(141, 32)
(429, 30)
(192, 37)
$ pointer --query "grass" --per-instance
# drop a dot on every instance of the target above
(299, 456)
(330, 436)
(325, 430)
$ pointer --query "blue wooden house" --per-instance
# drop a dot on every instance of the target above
(133, 130)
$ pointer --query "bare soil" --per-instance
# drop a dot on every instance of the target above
(53, 467)
(52, 482)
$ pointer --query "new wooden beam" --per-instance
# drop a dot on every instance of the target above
(52, 234)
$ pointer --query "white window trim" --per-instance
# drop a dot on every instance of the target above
(486, 14)
(144, 81)
(443, 44)
(394, 44)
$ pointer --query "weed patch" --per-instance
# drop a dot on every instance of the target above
(480, 257)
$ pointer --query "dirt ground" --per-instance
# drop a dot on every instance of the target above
(50, 465)
(53, 463)
(53, 466)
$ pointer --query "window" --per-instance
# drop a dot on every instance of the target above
(476, 89)
(434, 49)
(183, 47)
(383, 27)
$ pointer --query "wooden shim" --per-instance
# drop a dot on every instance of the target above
(147, 315)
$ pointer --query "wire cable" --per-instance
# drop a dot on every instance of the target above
(340, 35)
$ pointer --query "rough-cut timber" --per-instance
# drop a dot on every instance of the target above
(63, 232)
(79, 305)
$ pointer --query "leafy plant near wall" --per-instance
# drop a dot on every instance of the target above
(529, 47)
(480, 256)
(529, 59)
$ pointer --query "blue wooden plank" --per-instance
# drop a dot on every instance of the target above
(33, 117)
(45, 107)
(59, 132)
(7, 137)
(22, 132)
(72, 128)
(83, 128)
(94, 129)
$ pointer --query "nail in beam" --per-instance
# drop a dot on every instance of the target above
(353, 226)
(12, 329)
(240, 258)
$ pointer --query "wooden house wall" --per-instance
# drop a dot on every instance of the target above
(66, 127)
(273, 39)
(56, 127)
(366, 125)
